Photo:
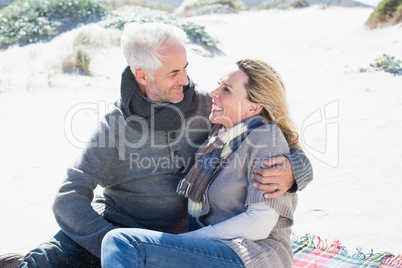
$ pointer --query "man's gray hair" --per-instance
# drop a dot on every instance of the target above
(141, 42)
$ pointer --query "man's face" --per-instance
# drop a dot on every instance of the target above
(170, 79)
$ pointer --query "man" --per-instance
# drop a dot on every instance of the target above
(139, 153)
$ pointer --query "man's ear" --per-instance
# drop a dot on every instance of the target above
(141, 76)
(255, 109)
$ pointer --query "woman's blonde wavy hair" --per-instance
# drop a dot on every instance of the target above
(265, 87)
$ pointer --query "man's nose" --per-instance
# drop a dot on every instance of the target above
(183, 79)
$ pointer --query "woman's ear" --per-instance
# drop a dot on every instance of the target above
(255, 109)
(142, 77)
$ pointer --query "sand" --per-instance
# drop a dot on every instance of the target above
(349, 121)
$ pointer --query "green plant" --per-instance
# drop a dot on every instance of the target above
(387, 12)
(270, 4)
(387, 63)
(196, 33)
(300, 3)
(284, 4)
(202, 3)
(116, 4)
(203, 7)
(117, 18)
(28, 21)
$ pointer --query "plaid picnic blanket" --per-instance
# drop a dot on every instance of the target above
(313, 252)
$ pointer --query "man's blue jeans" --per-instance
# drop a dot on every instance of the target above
(60, 251)
(133, 247)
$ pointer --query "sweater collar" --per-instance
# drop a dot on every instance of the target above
(158, 116)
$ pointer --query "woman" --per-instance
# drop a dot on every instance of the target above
(239, 227)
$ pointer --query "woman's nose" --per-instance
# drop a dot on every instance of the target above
(214, 94)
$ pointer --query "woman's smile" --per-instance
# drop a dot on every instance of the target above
(216, 108)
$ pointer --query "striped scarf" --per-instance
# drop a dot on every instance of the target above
(212, 156)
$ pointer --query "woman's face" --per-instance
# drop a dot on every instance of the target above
(230, 103)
